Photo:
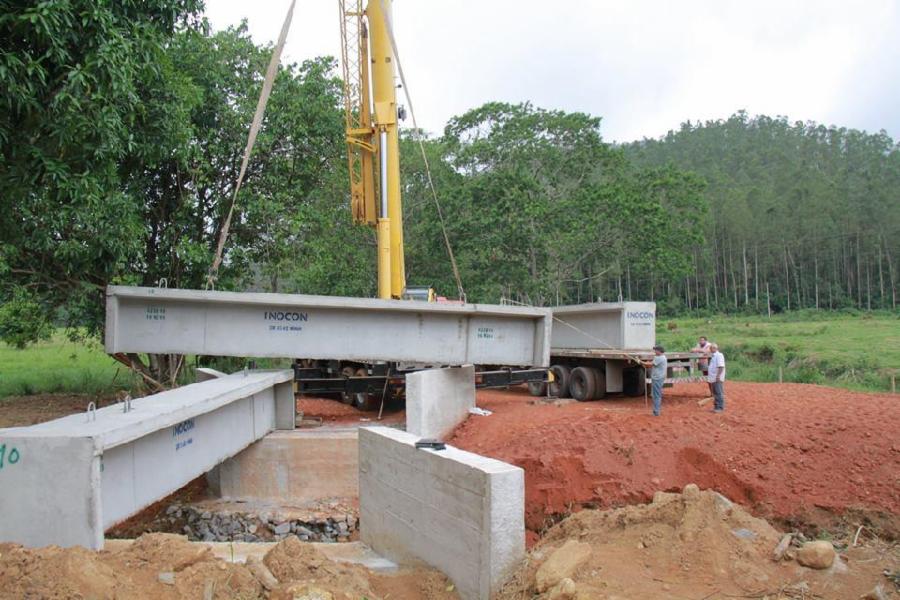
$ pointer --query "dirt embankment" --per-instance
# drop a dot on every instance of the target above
(690, 545)
(788, 452)
(168, 567)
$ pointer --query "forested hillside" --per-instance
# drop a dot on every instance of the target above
(800, 215)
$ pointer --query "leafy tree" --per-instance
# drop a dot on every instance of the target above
(141, 199)
(23, 320)
(188, 168)
(71, 72)
(541, 207)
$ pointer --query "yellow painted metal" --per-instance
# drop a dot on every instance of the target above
(369, 83)
(357, 112)
(384, 258)
(385, 100)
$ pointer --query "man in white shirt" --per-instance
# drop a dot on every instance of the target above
(717, 377)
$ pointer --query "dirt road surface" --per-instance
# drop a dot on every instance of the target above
(791, 451)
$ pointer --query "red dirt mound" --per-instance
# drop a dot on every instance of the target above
(785, 451)
(691, 545)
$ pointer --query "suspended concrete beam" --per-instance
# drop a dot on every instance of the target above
(66, 481)
(172, 321)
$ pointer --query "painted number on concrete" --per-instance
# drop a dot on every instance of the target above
(8, 459)
(485, 333)
(180, 431)
(155, 313)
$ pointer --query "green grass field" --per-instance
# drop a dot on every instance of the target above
(62, 366)
(59, 365)
(854, 351)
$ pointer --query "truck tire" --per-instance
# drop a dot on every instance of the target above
(583, 383)
(364, 400)
(347, 397)
(562, 375)
(537, 388)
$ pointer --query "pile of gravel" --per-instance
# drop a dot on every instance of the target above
(201, 525)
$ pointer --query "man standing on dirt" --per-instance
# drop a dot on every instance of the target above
(703, 348)
(717, 377)
(658, 369)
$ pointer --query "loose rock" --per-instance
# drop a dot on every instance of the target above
(782, 547)
(691, 492)
(816, 555)
(877, 593)
(261, 572)
(564, 590)
(561, 564)
(282, 528)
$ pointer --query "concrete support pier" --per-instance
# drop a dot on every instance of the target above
(437, 400)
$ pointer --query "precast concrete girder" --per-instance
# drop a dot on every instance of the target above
(175, 321)
(66, 481)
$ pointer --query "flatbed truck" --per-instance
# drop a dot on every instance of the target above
(599, 348)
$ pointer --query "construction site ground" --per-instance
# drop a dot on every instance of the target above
(819, 460)
(797, 454)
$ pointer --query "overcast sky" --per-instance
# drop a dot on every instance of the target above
(644, 66)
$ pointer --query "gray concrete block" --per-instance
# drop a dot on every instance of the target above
(50, 490)
(459, 512)
(285, 406)
(290, 467)
(619, 325)
(437, 400)
(202, 374)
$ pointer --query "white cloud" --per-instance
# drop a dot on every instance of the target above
(643, 66)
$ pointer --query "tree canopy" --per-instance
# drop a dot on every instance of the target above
(72, 74)
(540, 209)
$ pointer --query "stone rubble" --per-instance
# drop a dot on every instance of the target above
(206, 526)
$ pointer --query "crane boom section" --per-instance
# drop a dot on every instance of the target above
(370, 105)
(357, 112)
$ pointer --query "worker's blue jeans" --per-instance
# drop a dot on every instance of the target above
(719, 394)
(656, 386)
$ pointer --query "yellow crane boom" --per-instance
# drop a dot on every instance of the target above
(373, 145)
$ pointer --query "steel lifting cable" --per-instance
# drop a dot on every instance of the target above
(255, 125)
(418, 135)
